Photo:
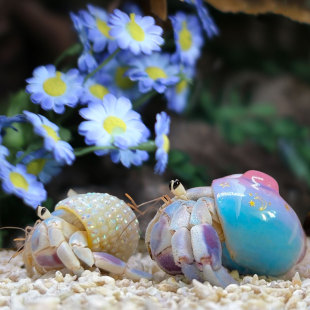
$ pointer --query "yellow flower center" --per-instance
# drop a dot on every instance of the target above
(180, 86)
(103, 27)
(166, 145)
(136, 32)
(55, 86)
(185, 37)
(122, 81)
(98, 91)
(51, 133)
(19, 181)
(36, 166)
(114, 125)
(155, 73)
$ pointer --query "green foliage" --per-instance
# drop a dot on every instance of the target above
(73, 50)
(192, 175)
(19, 138)
(241, 121)
(18, 102)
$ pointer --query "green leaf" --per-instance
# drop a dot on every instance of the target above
(285, 128)
(71, 51)
(49, 204)
(262, 110)
(15, 139)
(295, 161)
(177, 157)
(18, 102)
(192, 175)
(65, 134)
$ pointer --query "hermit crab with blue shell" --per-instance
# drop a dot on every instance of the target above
(239, 222)
(85, 230)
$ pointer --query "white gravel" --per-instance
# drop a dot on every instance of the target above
(60, 290)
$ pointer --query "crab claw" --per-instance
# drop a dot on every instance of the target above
(115, 265)
(183, 254)
(207, 252)
(161, 246)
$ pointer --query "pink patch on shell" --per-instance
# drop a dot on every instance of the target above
(259, 178)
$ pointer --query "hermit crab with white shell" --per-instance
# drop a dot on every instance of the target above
(85, 230)
(240, 222)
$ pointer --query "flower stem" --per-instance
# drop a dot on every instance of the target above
(101, 65)
(71, 51)
(141, 100)
(90, 149)
(148, 146)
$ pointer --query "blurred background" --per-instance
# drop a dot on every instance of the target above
(249, 107)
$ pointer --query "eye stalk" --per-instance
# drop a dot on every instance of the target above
(177, 189)
(43, 213)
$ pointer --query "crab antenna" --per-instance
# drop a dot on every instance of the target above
(19, 250)
(165, 198)
(13, 227)
(19, 239)
(132, 205)
(136, 207)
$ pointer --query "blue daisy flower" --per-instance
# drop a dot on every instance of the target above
(207, 22)
(16, 180)
(98, 30)
(111, 123)
(162, 127)
(120, 84)
(41, 164)
(154, 71)
(53, 89)
(188, 38)
(95, 88)
(4, 152)
(86, 61)
(129, 157)
(135, 33)
(6, 122)
(177, 95)
(62, 151)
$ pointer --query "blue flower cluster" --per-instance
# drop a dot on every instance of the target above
(124, 61)
(24, 173)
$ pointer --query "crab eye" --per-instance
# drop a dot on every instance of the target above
(171, 184)
(176, 183)
(42, 212)
(177, 188)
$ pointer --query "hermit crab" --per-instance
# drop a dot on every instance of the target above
(239, 222)
(85, 230)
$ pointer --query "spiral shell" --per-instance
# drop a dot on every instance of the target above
(110, 223)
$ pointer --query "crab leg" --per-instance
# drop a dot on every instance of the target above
(160, 244)
(181, 240)
(58, 233)
(115, 265)
(208, 252)
(200, 213)
(183, 254)
(108, 262)
(197, 192)
(79, 245)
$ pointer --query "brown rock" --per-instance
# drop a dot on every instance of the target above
(297, 10)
